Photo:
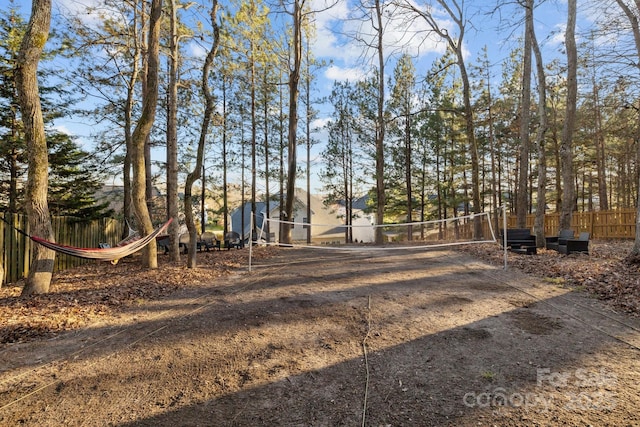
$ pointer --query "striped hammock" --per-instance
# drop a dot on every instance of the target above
(104, 254)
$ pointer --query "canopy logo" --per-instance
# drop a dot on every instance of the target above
(579, 390)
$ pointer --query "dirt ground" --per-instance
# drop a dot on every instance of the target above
(391, 337)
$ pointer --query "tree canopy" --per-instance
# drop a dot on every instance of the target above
(444, 133)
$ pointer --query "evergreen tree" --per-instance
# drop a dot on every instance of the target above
(72, 186)
(402, 131)
(340, 155)
(12, 144)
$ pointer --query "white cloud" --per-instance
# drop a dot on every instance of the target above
(196, 50)
(63, 129)
(320, 123)
(353, 74)
(90, 12)
(413, 36)
(337, 26)
(557, 36)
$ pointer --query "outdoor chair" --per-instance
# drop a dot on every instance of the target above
(183, 243)
(232, 239)
(164, 243)
(520, 240)
(208, 240)
(581, 244)
(553, 242)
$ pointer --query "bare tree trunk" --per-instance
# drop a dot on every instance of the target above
(126, 167)
(172, 136)
(254, 142)
(470, 127)
(267, 171)
(141, 134)
(36, 36)
(145, 48)
(308, 135)
(225, 185)
(525, 118)
(566, 146)
(541, 198)
(556, 152)
(380, 129)
(281, 177)
(294, 79)
(148, 176)
(600, 149)
(635, 251)
(408, 154)
(128, 120)
(204, 131)
(632, 15)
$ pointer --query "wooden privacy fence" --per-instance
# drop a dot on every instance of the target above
(16, 247)
(618, 224)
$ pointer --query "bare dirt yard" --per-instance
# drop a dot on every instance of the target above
(390, 337)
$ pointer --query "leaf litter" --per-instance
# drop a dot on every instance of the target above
(96, 290)
(606, 272)
(82, 295)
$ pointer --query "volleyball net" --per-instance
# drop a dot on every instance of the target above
(361, 235)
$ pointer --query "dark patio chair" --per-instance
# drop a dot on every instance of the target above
(553, 242)
(183, 243)
(208, 240)
(581, 244)
(232, 240)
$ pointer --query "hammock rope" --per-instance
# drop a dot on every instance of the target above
(112, 254)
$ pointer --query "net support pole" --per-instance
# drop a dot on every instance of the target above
(250, 241)
(504, 235)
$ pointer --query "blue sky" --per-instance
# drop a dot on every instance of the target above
(499, 32)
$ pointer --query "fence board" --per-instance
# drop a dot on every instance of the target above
(618, 224)
(16, 248)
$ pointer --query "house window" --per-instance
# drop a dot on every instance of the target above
(304, 221)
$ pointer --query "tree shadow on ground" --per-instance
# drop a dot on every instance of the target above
(445, 343)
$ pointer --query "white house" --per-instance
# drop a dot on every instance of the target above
(363, 222)
(327, 222)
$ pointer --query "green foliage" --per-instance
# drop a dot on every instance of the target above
(12, 147)
(72, 185)
(402, 135)
(341, 153)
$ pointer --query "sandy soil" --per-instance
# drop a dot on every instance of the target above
(324, 338)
